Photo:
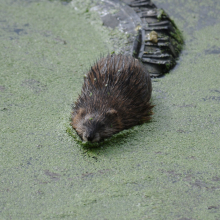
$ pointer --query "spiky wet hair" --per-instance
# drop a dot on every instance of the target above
(115, 96)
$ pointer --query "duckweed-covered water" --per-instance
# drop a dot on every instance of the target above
(165, 169)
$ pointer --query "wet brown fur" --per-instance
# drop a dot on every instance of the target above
(115, 96)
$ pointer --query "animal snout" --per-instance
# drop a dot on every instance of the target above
(90, 137)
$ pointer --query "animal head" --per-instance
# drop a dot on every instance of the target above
(96, 126)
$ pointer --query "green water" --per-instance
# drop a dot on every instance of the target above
(165, 169)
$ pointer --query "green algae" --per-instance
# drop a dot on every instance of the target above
(165, 169)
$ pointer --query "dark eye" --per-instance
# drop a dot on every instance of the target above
(100, 125)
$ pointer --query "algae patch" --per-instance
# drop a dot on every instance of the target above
(166, 169)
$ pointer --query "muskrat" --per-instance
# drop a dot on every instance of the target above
(115, 96)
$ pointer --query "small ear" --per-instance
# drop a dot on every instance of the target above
(112, 112)
(81, 112)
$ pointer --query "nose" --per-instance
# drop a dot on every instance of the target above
(90, 137)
